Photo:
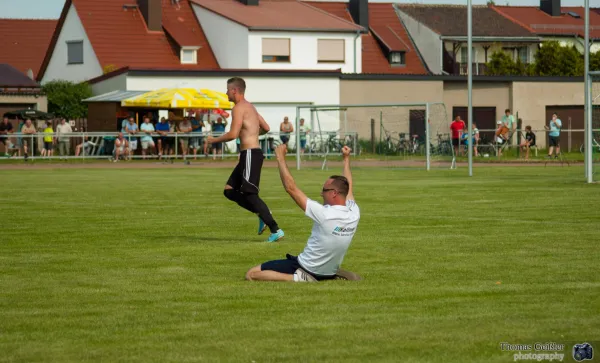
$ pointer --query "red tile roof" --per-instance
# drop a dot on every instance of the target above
(542, 23)
(278, 15)
(120, 37)
(24, 41)
(385, 25)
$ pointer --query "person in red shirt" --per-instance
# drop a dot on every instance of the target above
(457, 126)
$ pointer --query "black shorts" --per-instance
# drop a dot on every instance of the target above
(246, 175)
(48, 145)
(217, 146)
(554, 140)
(455, 142)
(289, 266)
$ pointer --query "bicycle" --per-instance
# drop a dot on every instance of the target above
(595, 147)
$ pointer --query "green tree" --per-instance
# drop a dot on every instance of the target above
(552, 59)
(502, 64)
(64, 98)
(595, 61)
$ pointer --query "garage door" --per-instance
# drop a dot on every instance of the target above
(483, 117)
(571, 117)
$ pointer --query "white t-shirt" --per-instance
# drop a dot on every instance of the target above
(332, 231)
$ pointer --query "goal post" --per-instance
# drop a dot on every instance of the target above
(392, 129)
(591, 144)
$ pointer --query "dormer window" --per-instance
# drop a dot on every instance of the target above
(189, 55)
(397, 58)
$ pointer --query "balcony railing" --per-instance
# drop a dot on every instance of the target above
(479, 69)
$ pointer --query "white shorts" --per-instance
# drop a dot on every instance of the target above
(145, 144)
(133, 144)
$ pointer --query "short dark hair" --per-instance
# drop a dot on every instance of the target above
(341, 184)
(528, 127)
(238, 83)
(507, 110)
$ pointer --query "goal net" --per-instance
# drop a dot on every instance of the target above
(393, 135)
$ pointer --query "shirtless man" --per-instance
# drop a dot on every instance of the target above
(243, 184)
(121, 147)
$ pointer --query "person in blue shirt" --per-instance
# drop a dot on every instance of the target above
(162, 128)
(218, 129)
(554, 135)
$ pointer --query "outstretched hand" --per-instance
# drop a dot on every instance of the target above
(281, 151)
(346, 151)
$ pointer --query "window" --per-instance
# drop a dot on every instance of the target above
(75, 52)
(276, 50)
(398, 58)
(331, 51)
(524, 55)
(464, 55)
(188, 56)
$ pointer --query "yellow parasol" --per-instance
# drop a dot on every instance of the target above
(180, 98)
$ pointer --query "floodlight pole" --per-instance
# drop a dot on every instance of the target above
(297, 139)
(587, 95)
(470, 84)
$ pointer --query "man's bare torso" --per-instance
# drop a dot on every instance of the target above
(250, 125)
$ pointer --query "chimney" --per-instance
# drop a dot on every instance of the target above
(152, 12)
(550, 7)
(249, 2)
(359, 9)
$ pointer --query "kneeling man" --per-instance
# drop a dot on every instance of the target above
(335, 223)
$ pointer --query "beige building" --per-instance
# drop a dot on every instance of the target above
(533, 100)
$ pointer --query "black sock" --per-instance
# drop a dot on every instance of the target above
(262, 210)
(238, 197)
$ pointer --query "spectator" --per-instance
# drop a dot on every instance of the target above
(86, 145)
(121, 147)
(303, 129)
(456, 127)
(132, 129)
(528, 142)
(508, 121)
(475, 135)
(162, 128)
(185, 127)
(62, 134)
(196, 142)
(218, 128)
(6, 128)
(28, 129)
(147, 128)
(554, 135)
(285, 128)
(48, 140)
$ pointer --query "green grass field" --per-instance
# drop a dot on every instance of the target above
(148, 265)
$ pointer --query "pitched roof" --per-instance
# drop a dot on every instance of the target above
(120, 36)
(24, 41)
(10, 77)
(539, 22)
(386, 31)
(278, 15)
(451, 20)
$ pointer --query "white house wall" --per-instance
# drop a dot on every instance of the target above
(276, 96)
(228, 40)
(58, 68)
(303, 51)
(426, 40)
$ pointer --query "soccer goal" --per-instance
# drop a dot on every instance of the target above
(404, 135)
(591, 146)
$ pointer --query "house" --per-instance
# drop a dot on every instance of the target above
(440, 33)
(96, 37)
(387, 48)
(551, 21)
(23, 42)
(293, 35)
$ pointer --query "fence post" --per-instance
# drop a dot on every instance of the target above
(373, 135)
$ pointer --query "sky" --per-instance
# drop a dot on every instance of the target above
(50, 9)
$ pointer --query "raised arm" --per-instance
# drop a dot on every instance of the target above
(347, 173)
(286, 178)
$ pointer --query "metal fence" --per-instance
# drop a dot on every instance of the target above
(101, 145)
